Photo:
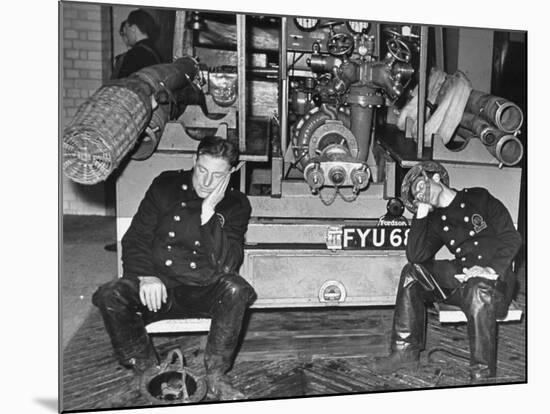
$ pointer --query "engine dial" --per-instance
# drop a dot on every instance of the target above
(357, 27)
(306, 24)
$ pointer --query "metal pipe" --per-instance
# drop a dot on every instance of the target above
(179, 34)
(508, 150)
(486, 132)
(422, 87)
(330, 111)
(283, 90)
(506, 115)
(241, 74)
(505, 147)
(361, 126)
(439, 48)
(381, 75)
(363, 101)
(268, 73)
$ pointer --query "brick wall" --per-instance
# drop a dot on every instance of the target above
(86, 54)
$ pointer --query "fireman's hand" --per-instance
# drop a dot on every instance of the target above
(211, 201)
(480, 271)
(422, 209)
(152, 292)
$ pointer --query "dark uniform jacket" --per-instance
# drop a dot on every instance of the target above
(141, 55)
(476, 227)
(166, 238)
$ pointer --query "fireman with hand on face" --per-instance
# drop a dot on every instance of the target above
(478, 230)
(180, 257)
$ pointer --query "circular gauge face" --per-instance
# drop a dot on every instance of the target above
(357, 27)
(306, 23)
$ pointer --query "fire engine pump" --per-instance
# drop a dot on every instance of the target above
(333, 88)
(331, 140)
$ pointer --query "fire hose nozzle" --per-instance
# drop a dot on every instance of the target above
(360, 178)
(508, 150)
(505, 115)
(337, 175)
(315, 177)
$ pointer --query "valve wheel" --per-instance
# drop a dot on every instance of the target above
(324, 79)
(399, 50)
(340, 44)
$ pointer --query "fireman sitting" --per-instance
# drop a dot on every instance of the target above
(478, 230)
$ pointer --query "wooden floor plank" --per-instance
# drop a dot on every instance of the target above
(292, 353)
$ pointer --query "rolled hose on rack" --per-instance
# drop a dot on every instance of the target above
(106, 127)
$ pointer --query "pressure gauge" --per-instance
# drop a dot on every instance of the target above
(306, 24)
(357, 27)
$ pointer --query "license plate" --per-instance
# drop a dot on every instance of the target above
(368, 238)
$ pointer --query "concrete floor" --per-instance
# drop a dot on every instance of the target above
(86, 265)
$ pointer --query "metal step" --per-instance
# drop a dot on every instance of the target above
(370, 204)
(297, 230)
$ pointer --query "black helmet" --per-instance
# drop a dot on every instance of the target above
(430, 167)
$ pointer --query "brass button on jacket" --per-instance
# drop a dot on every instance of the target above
(475, 225)
(156, 232)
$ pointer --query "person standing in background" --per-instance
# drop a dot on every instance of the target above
(139, 32)
(120, 57)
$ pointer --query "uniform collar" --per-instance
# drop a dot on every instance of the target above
(456, 201)
(145, 41)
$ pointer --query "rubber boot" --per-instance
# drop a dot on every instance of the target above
(409, 326)
(233, 295)
(121, 310)
(402, 359)
(479, 307)
(221, 389)
(219, 385)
